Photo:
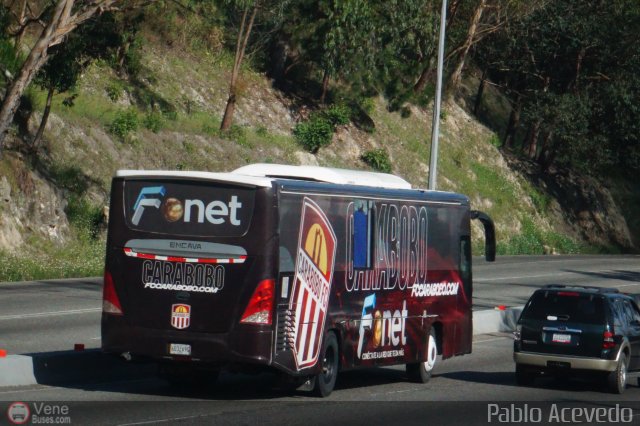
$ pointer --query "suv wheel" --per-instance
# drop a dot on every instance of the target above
(617, 379)
(524, 377)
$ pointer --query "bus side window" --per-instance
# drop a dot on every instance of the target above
(465, 261)
(363, 236)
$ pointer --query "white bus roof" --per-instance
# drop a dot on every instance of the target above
(263, 174)
(219, 177)
(324, 174)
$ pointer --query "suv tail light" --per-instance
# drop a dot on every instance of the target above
(608, 342)
(260, 305)
(517, 334)
(110, 301)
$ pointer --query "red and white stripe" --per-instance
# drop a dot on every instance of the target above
(309, 319)
(131, 253)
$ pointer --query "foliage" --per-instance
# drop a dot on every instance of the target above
(572, 69)
(77, 259)
(314, 133)
(114, 90)
(378, 159)
(70, 178)
(125, 122)
(84, 216)
(337, 115)
(235, 133)
(153, 121)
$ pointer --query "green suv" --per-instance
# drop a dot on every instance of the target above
(569, 330)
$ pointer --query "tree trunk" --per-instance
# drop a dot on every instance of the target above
(22, 18)
(325, 86)
(534, 134)
(11, 101)
(241, 46)
(426, 76)
(45, 118)
(478, 102)
(546, 152)
(512, 126)
(454, 80)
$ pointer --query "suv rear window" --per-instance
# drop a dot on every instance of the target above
(565, 306)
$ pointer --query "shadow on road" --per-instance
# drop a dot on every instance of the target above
(633, 276)
(507, 378)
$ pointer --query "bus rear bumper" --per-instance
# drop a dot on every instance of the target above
(244, 345)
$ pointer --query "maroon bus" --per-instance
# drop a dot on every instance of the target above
(305, 270)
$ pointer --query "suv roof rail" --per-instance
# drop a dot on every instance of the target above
(585, 287)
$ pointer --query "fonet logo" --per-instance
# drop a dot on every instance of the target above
(215, 212)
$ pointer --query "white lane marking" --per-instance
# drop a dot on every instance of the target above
(559, 274)
(167, 420)
(492, 340)
(50, 314)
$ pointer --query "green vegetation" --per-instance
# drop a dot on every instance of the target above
(156, 81)
(124, 123)
(378, 159)
(314, 133)
(78, 258)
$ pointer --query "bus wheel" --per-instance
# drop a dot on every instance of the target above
(326, 380)
(420, 372)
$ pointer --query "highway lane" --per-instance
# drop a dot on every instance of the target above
(371, 396)
(54, 315)
(42, 316)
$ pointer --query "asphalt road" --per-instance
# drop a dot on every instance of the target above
(370, 397)
(47, 316)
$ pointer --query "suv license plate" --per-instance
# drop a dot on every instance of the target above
(180, 349)
(561, 338)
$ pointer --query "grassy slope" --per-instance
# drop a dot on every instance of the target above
(186, 95)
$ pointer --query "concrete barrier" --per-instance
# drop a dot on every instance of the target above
(494, 320)
(55, 368)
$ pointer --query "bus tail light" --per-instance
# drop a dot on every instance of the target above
(110, 302)
(260, 305)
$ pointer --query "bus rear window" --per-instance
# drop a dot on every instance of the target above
(188, 208)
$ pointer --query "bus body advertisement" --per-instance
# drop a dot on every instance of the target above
(265, 267)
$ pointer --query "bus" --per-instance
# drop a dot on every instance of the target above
(304, 270)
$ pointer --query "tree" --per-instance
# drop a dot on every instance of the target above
(246, 24)
(96, 39)
(66, 16)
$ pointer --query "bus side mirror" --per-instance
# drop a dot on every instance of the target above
(489, 234)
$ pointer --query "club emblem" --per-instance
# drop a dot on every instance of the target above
(180, 316)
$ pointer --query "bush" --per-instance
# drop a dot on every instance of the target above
(235, 133)
(84, 217)
(378, 159)
(124, 123)
(338, 115)
(153, 121)
(314, 134)
(114, 90)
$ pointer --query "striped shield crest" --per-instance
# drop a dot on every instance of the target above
(180, 316)
(312, 283)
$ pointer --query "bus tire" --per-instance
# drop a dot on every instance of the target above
(420, 372)
(325, 381)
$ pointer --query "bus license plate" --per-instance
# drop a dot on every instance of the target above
(179, 349)
(561, 338)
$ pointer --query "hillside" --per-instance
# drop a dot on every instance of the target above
(53, 207)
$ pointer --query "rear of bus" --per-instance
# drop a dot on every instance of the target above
(189, 273)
